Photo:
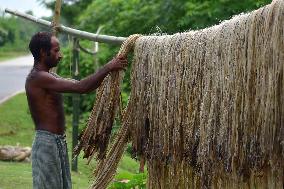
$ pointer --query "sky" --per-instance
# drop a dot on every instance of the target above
(25, 5)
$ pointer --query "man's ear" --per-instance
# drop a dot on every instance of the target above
(42, 53)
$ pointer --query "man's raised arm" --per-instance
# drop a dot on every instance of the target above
(48, 81)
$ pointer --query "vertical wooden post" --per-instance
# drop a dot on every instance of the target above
(56, 21)
(56, 17)
(75, 102)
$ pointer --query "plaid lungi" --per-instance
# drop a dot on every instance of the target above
(50, 165)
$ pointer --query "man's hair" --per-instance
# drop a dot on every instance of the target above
(41, 40)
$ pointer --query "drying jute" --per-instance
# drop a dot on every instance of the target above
(206, 108)
(95, 138)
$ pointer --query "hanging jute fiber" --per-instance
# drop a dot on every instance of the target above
(206, 108)
(95, 138)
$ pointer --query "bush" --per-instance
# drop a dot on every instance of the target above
(138, 181)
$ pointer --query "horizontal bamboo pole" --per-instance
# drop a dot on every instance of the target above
(71, 31)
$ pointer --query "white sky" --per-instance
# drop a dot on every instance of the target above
(25, 5)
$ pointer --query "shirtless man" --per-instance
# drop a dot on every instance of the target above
(50, 165)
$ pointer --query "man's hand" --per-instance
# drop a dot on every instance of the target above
(117, 63)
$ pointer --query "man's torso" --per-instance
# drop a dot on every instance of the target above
(45, 106)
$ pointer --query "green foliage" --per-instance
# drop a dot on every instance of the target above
(130, 181)
(138, 16)
(3, 36)
(15, 34)
(200, 14)
(70, 8)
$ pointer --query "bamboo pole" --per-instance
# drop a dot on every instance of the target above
(71, 31)
(76, 103)
(56, 17)
(56, 23)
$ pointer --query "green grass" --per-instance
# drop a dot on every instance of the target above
(16, 128)
(11, 54)
(16, 175)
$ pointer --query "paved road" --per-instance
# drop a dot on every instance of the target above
(13, 75)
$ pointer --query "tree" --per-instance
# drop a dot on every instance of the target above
(15, 33)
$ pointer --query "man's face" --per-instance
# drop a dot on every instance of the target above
(53, 58)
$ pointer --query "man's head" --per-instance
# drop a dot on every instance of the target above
(45, 48)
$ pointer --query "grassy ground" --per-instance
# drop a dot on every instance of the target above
(16, 128)
(10, 55)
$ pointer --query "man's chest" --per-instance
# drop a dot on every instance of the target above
(53, 97)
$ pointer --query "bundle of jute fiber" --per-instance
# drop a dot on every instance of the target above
(95, 138)
(210, 104)
(106, 167)
(206, 107)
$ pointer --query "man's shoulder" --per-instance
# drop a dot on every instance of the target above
(55, 75)
(43, 75)
(39, 77)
